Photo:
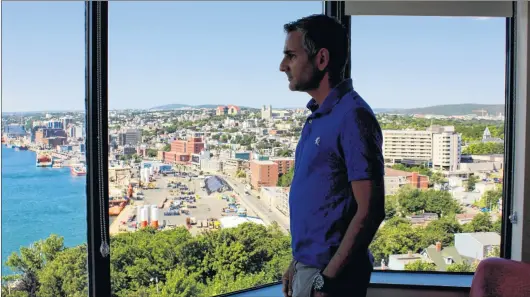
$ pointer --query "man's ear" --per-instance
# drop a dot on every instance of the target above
(322, 59)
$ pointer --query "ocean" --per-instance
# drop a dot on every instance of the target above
(37, 202)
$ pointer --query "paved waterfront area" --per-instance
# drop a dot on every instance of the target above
(207, 206)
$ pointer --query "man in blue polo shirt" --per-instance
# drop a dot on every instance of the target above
(337, 194)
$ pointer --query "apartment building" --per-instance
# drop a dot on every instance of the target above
(233, 166)
(130, 137)
(284, 164)
(446, 149)
(263, 174)
(182, 150)
(439, 145)
(276, 197)
(50, 137)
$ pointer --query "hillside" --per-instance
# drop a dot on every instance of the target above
(453, 109)
(177, 106)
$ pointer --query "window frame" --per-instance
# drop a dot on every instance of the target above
(445, 280)
(96, 112)
(96, 30)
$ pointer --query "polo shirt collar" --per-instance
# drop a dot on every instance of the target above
(332, 98)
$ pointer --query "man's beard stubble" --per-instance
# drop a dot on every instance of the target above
(313, 82)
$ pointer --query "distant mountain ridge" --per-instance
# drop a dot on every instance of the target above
(177, 106)
(452, 109)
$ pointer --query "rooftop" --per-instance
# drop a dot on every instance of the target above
(395, 172)
(233, 221)
(485, 238)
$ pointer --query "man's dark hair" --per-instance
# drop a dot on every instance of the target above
(321, 31)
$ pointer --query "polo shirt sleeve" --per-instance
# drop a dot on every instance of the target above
(361, 144)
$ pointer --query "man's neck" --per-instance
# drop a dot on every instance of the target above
(319, 94)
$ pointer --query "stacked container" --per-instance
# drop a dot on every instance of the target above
(154, 216)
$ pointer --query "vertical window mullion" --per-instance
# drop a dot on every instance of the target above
(509, 141)
(98, 241)
(337, 9)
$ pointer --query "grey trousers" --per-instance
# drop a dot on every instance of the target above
(303, 280)
(354, 283)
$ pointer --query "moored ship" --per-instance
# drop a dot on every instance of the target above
(78, 170)
(44, 160)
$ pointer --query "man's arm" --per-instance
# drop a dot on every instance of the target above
(362, 228)
(361, 143)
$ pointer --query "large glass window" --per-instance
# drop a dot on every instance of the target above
(202, 130)
(43, 150)
(437, 85)
(201, 134)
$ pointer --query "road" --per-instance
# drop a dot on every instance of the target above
(260, 207)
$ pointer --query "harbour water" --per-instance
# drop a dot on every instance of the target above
(37, 202)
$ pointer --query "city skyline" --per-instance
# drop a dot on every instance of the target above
(443, 57)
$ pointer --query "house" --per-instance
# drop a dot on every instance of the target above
(398, 262)
(476, 245)
(442, 257)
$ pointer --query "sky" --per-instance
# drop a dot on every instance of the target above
(229, 53)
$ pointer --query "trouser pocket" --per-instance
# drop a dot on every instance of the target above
(303, 279)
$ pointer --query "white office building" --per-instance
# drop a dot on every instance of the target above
(439, 145)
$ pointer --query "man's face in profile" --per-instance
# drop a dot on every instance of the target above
(301, 70)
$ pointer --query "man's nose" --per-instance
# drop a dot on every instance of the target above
(283, 68)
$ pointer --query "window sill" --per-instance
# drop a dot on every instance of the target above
(398, 280)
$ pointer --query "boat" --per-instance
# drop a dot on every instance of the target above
(57, 164)
(78, 170)
(44, 160)
(23, 148)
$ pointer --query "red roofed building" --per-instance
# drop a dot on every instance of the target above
(233, 110)
(395, 179)
(227, 110)
(221, 110)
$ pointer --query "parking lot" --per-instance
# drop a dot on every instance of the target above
(206, 207)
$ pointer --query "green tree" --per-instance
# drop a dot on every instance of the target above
(32, 259)
(490, 199)
(391, 206)
(152, 153)
(484, 148)
(212, 263)
(285, 153)
(494, 253)
(66, 275)
(167, 148)
(241, 174)
(497, 226)
(480, 223)
(420, 265)
(286, 179)
(396, 236)
(411, 200)
(440, 202)
(437, 178)
(441, 230)
(462, 267)
(471, 183)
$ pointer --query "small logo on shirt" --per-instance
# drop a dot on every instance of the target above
(317, 141)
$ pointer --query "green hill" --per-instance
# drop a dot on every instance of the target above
(454, 109)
